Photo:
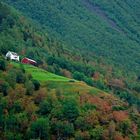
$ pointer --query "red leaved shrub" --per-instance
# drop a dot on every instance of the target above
(120, 116)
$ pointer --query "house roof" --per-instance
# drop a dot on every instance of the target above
(13, 53)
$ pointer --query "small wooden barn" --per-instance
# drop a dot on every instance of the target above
(28, 61)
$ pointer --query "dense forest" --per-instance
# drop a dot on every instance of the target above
(102, 29)
(30, 109)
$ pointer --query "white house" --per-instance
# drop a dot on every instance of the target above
(12, 56)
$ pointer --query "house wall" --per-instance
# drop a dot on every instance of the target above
(12, 57)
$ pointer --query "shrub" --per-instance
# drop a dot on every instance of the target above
(125, 127)
(89, 81)
(118, 108)
(11, 78)
(4, 86)
(45, 107)
(82, 135)
(96, 133)
(21, 78)
(78, 76)
(2, 65)
(70, 109)
(29, 87)
(36, 84)
(17, 107)
(63, 129)
(39, 129)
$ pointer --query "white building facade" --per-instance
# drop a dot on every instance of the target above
(12, 56)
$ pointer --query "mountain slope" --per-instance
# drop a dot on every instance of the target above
(21, 35)
(56, 81)
(32, 109)
(26, 38)
(36, 104)
(41, 74)
(109, 30)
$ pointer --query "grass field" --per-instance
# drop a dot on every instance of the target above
(40, 74)
(57, 82)
(72, 87)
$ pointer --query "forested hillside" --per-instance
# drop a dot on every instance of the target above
(27, 38)
(58, 108)
(83, 64)
(35, 103)
(108, 30)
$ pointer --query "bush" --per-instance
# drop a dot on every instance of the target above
(118, 108)
(13, 136)
(70, 109)
(89, 81)
(17, 107)
(78, 76)
(11, 78)
(4, 86)
(81, 77)
(72, 81)
(82, 135)
(29, 88)
(2, 65)
(36, 84)
(125, 127)
(63, 129)
(45, 108)
(21, 78)
(39, 129)
(96, 133)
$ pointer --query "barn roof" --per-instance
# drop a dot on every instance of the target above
(30, 59)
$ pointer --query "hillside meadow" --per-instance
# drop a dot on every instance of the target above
(54, 108)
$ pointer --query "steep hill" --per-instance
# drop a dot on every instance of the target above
(41, 74)
(108, 30)
(55, 81)
(38, 104)
(22, 35)
(34, 108)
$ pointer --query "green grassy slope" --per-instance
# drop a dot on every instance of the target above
(41, 74)
(109, 30)
(54, 81)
